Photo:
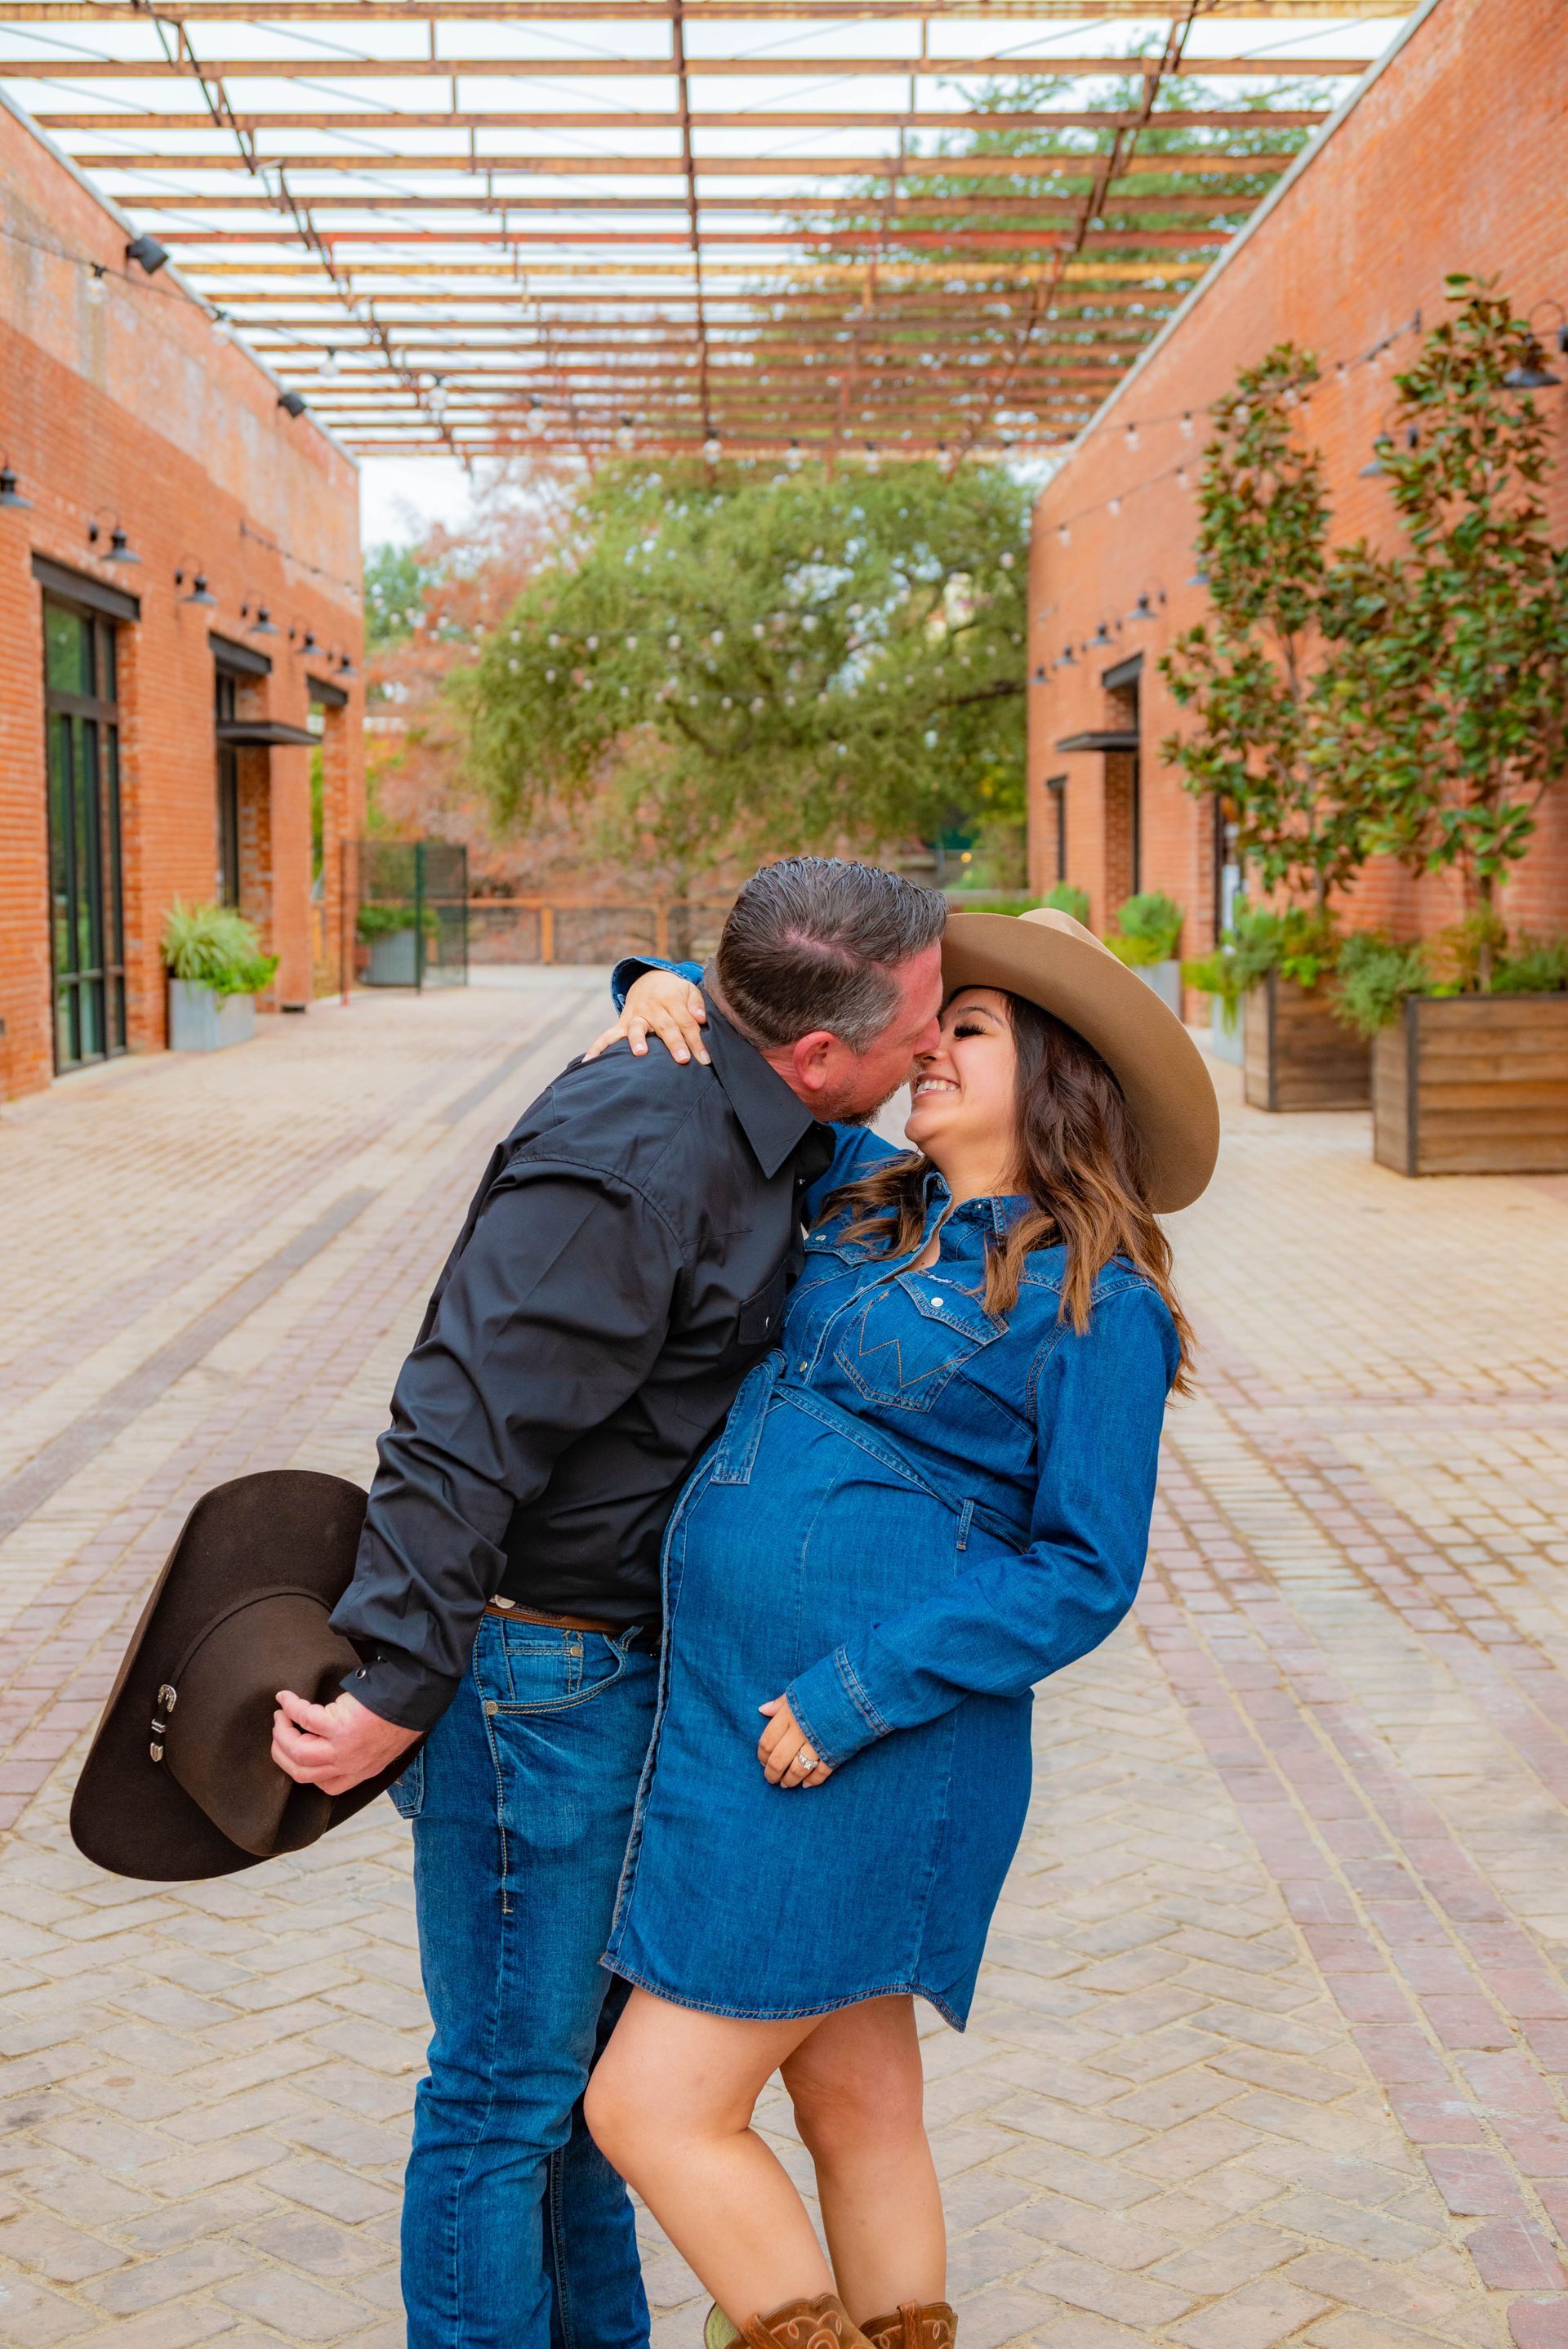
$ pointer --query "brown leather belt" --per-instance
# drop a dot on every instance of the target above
(510, 1611)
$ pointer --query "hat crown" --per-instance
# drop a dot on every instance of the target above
(217, 1738)
(1051, 917)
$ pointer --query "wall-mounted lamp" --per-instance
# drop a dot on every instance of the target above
(1067, 659)
(199, 592)
(147, 252)
(10, 495)
(1533, 374)
(262, 626)
(1201, 576)
(1101, 634)
(1144, 607)
(118, 549)
(293, 403)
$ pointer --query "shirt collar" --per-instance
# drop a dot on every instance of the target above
(772, 1119)
(998, 1212)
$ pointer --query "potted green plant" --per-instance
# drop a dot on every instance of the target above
(1449, 723)
(216, 970)
(1063, 898)
(392, 933)
(1267, 978)
(1257, 674)
(1466, 1079)
(1148, 938)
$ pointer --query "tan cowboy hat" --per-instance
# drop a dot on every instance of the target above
(1054, 961)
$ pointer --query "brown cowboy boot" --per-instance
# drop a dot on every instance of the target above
(820, 2323)
(934, 2326)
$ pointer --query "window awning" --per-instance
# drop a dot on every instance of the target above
(263, 734)
(1113, 738)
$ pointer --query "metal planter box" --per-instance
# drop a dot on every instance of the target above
(203, 1021)
(1473, 1084)
(1224, 1035)
(395, 960)
(1297, 1055)
(1165, 980)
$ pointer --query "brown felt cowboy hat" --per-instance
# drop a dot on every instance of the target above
(180, 1780)
(1055, 962)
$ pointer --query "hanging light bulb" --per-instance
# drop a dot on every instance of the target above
(97, 286)
(1064, 534)
(222, 327)
(1183, 479)
(626, 433)
(712, 449)
(1113, 505)
(329, 367)
(1187, 426)
(793, 456)
(1131, 436)
(437, 399)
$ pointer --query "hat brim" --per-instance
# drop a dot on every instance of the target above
(128, 1814)
(1163, 1076)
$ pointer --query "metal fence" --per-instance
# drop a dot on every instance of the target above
(581, 929)
(403, 914)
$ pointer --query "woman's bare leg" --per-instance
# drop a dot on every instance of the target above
(857, 2086)
(670, 2103)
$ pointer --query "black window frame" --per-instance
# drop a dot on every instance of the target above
(81, 755)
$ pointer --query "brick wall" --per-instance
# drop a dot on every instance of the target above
(131, 410)
(1451, 159)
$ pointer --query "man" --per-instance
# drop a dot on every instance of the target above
(622, 1268)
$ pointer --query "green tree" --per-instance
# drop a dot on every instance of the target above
(1450, 689)
(395, 582)
(763, 659)
(1254, 671)
(1002, 315)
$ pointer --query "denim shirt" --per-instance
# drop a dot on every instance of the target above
(1044, 1442)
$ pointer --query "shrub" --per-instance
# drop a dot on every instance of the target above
(1065, 899)
(1300, 944)
(1374, 976)
(373, 922)
(215, 947)
(1147, 928)
(1533, 967)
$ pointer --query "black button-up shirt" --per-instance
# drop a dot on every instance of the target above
(621, 1268)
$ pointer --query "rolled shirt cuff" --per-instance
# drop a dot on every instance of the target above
(397, 1689)
(629, 970)
(834, 1710)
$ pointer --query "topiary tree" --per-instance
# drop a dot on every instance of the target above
(1252, 672)
(1449, 698)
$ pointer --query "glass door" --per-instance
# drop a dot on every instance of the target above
(87, 927)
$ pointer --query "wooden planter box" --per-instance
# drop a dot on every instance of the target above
(1473, 1084)
(1297, 1055)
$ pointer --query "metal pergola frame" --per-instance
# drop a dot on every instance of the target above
(440, 271)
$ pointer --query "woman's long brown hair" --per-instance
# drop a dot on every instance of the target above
(1080, 1164)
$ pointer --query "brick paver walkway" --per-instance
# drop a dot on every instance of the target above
(1273, 2040)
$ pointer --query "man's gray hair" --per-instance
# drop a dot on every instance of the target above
(814, 942)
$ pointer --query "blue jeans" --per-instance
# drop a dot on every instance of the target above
(517, 2234)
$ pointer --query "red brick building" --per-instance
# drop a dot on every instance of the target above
(157, 716)
(1447, 156)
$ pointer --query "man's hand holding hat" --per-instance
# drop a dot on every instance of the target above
(336, 1745)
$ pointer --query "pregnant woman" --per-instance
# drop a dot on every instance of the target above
(934, 1495)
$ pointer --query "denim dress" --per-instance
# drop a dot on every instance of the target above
(916, 1511)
